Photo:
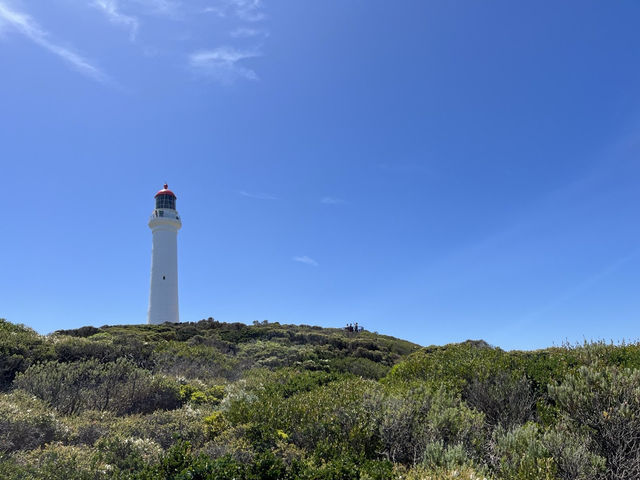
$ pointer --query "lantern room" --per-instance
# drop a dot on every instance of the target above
(165, 198)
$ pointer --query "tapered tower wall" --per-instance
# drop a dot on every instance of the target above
(163, 296)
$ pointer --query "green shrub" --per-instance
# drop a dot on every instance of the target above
(451, 366)
(56, 461)
(199, 393)
(342, 416)
(118, 386)
(26, 423)
(505, 399)
(520, 454)
(104, 348)
(343, 468)
(192, 362)
(238, 441)
(81, 332)
(20, 347)
(181, 463)
(603, 404)
(361, 367)
(127, 453)
(165, 427)
(571, 454)
(422, 472)
(215, 424)
(270, 354)
(334, 417)
(87, 427)
(11, 470)
(437, 456)
(414, 419)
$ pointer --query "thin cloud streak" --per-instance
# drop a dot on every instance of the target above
(115, 16)
(222, 64)
(258, 196)
(24, 24)
(244, 32)
(246, 10)
(163, 7)
(306, 260)
(215, 10)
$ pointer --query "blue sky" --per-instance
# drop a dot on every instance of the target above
(434, 170)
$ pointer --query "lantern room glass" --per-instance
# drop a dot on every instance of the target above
(166, 201)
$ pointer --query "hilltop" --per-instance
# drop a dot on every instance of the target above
(210, 350)
(211, 400)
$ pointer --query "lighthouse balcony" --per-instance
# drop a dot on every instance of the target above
(165, 217)
(165, 213)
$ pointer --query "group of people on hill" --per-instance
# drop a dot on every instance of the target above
(353, 328)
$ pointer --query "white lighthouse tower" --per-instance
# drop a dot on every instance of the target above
(164, 224)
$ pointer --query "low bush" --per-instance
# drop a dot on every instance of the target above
(572, 454)
(192, 362)
(199, 393)
(451, 366)
(505, 399)
(520, 454)
(104, 348)
(165, 427)
(182, 463)
(422, 472)
(57, 461)
(127, 454)
(603, 404)
(119, 387)
(415, 419)
(26, 423)
(20, 347)
(87, 427)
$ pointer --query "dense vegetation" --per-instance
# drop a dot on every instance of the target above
(210, 400)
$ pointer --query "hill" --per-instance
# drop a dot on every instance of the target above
(210, 400)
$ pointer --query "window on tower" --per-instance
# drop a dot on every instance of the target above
(166, 201)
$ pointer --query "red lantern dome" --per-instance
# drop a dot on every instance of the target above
(165, 191)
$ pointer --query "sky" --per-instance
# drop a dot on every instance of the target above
(433, 170)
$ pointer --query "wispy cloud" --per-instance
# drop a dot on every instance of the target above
(163, 7)
(259, 196)
(222, 64)
(332, 201)
(25, 25)
(306, 260)
(111, 9)
(245, 32)
(219, 11)
(247, 10)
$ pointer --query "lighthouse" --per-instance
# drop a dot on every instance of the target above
(164, 224)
